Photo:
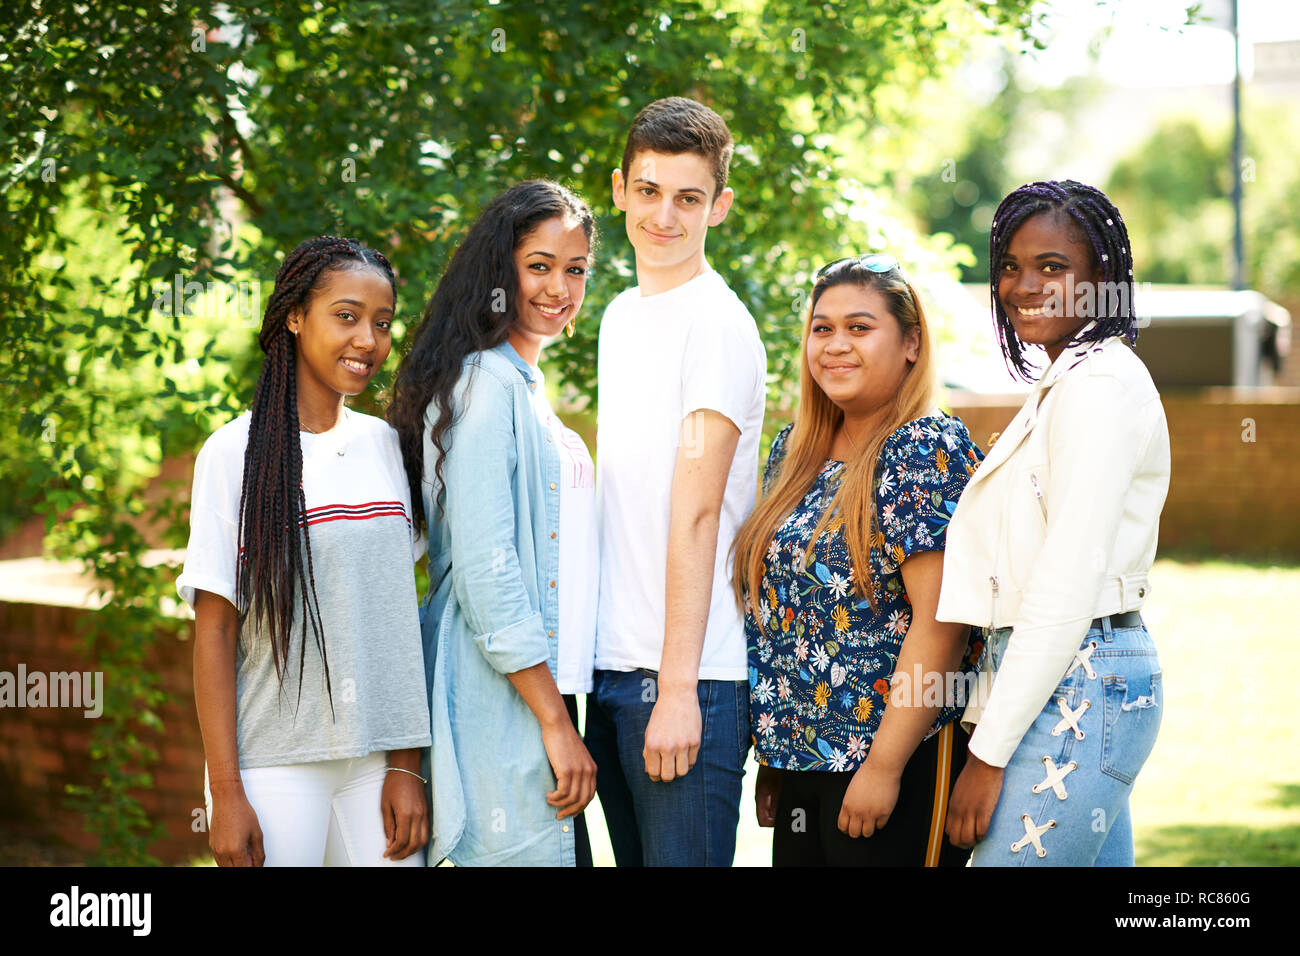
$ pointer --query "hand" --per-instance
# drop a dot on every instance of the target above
(405, 809)
(234, 835)
(575, 771)
(767, 791)
(869, 802)
(672, 738)
(970, 808)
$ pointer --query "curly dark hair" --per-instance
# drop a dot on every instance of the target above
(471, 310)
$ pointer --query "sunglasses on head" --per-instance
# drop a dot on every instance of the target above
(875, 262)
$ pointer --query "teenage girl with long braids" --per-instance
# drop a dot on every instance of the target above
(299, 570)
(1051, 543)
(509, 499)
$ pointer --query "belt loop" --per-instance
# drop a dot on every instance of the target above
(1106, 629)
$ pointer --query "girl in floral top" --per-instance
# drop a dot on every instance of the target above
(855, 689)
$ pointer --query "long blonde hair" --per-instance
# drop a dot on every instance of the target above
(808, 445)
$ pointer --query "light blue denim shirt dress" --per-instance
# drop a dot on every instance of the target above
(492, 609)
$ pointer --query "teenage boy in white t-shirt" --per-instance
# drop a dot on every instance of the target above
(682, 376)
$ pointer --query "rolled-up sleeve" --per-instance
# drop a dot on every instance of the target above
(478, 474)
(1102, 433)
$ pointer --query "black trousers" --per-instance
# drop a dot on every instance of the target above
(581, 839)
(808, 810)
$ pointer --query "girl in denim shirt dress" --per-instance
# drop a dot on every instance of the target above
(509, 503)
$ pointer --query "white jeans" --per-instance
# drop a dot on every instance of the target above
(324, 813)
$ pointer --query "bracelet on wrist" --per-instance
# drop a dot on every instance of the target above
(411, 772)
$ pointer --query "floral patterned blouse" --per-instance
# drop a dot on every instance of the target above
(820, 661)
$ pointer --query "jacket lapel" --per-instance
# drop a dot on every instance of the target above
(1010, 438)
(1027, 417)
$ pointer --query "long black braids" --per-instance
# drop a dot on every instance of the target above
(274, 563)
(1093, 212)
(471, 310)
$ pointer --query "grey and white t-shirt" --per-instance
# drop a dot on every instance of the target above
(362, 552)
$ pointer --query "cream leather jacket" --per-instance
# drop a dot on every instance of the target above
(1057, 527)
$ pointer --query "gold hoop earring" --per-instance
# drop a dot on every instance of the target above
(568, 329)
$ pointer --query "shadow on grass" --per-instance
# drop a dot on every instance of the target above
(1219, 844)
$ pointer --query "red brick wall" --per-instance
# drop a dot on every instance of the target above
(42, 749)
(1227, 496)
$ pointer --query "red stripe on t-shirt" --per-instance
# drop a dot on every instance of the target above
(359, 512)
(371, 509)
(356, 517)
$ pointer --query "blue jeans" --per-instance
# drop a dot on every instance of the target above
(1065, 791)
(691, 820)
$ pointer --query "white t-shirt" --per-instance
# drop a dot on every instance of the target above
(579, 549)
(362, 548)
(661, 358)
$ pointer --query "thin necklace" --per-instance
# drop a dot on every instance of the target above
(341, 448)
(849, 435)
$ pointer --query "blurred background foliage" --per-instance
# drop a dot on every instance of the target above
(175, 145)
(160, 160)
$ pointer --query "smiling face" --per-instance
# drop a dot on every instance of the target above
(1046, 253)
(551, 263)
(670, 206)
(345, 333)
(856, 349)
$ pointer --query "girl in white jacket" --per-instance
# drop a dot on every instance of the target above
(1050, 546)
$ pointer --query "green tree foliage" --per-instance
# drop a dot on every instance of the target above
(1176, 192)
(196, 142)
(958, 195)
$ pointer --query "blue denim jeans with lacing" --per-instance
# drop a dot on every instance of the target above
(1065, 791)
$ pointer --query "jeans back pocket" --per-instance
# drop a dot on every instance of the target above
(1132, 720)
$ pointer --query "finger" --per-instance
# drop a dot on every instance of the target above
(402, 834)
(982, 824)
(390, 823)
(555, 798)
(953, 830)
(663, 763)
(667, 764)
(651, 758)
(843, 822)
(692, 756)
(259, 854)
(685, 759)
(588, 789)
(564, 786)
(967, 830)
(866, 827)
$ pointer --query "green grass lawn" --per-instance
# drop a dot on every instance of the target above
(1222, 787)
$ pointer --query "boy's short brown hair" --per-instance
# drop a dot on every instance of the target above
(680, 125)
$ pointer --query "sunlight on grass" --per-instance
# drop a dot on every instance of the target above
(1221, 787)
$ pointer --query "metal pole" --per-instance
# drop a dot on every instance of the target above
(1239, 266)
